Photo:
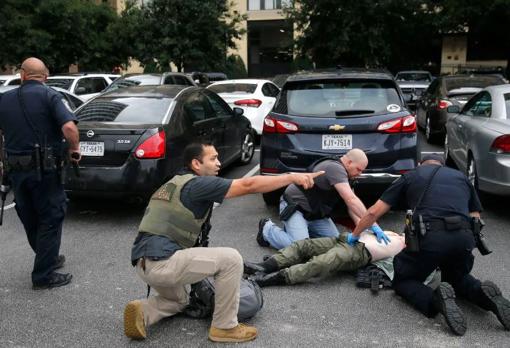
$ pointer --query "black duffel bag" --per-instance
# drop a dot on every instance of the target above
(201, 302)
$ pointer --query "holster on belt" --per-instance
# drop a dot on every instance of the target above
(290, 209)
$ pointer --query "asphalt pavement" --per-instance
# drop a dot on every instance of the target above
(325, 313)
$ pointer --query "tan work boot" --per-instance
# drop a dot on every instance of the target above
(134, 323)
(239, 333)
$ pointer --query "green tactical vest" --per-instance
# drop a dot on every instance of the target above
(167, 216)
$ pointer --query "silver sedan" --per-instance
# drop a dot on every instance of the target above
(478, 139)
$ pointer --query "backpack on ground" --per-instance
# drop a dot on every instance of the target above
(201, 304)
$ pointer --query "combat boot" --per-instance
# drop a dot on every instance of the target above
(496, 303)
(260, 237)
(239, 333)
(275, 278)
(267, 266)
(444, 302)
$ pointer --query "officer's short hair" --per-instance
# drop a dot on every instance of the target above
(194, 151)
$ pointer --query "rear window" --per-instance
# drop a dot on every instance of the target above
(135, 81)
(237, 88)
(62, 83)
(125, 110)
(507, 104)
(334, 98)
(479, 82)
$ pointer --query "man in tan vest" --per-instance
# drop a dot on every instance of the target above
(167, 252)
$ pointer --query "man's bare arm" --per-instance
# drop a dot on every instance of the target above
(72, 136)
(355, 206)
(262, 184)
(373, 214)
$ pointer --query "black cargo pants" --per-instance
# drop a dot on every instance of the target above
(41, 208)
(451, 251)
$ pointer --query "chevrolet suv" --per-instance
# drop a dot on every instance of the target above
(324, 114)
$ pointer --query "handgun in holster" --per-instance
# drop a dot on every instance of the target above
(481, 244)
(411, 235)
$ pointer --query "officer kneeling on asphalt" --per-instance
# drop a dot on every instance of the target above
(34, 121)
(445, 210)
(167, 252)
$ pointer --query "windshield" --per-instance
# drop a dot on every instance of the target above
(141, 110)
(478, 82)
(234, 88)
(333, 98)
(62, 83)
(142, 80)
(413, 77)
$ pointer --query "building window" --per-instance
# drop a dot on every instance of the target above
(255, 5)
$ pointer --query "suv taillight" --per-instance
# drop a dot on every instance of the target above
(443, 104)
(278, 126)
(501, 144)
(253, 103)
(406, 124)
(153, 147)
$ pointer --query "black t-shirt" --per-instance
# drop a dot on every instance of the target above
(450, 193)
(198, 195)
(46, 112)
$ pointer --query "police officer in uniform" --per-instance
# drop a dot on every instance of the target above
(446, 211)
(34, 122)
(168, 252)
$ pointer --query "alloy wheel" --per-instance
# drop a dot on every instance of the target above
(427, 129)
(247, 148)
(471, 173)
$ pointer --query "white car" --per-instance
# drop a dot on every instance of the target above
(10, 80)
(85, 86)
(255, 97)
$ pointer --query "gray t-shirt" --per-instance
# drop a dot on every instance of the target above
(334, 173)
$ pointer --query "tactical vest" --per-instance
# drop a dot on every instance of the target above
(167, 216)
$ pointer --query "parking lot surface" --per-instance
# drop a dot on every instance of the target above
(332, 312)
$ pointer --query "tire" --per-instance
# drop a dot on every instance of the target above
(247, 148)
(471, 172)
(431, 139)
(448, 159)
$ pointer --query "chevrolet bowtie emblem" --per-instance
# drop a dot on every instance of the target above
(336, 127)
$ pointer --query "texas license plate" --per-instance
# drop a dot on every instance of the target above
(92, 148)
(336, 141)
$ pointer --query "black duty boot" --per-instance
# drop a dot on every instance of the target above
(267, 266)
(496, 303)
(260, 237)
(444, 302)
(275, 278)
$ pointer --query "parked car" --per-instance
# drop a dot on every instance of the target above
(132, 138)
(10, 80)
(201, 79)
(169, 78)
(413, 84)
(216, 76)
(70, 100)
(255, 97)
(327, 114)
(478, 139)
(443, 92)
(280, 79)
(84, 85)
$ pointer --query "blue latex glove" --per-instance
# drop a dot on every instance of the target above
(352, 240)
(379, 234)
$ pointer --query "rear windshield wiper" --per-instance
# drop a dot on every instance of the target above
(353, 112)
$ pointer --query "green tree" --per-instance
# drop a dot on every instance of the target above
(189, 33)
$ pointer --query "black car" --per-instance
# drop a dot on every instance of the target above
(327, 114)
(132, 138)
(169, 78)
(443, 92)
(69, 99)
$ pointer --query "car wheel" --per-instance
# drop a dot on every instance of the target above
(471, 173)
(428, 132)
(247, 148)
(448, 159)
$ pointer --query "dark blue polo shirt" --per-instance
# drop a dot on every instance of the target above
(45, 109)
(450, 193)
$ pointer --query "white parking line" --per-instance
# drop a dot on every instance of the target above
(9, 206)
(429, 152)
(252, 171)
(257, 150)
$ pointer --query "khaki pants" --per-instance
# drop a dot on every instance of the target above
(321, 257)
(170, 277)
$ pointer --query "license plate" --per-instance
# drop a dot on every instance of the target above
(336, 141)
(92, 148)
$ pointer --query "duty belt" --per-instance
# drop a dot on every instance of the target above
(20, 162)
(443, 225)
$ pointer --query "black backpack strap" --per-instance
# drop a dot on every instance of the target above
(434, 171)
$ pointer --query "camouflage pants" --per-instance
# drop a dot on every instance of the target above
(320, 257)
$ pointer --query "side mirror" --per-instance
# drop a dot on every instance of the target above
(80, 90)
(238, 112)
(453, 109)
